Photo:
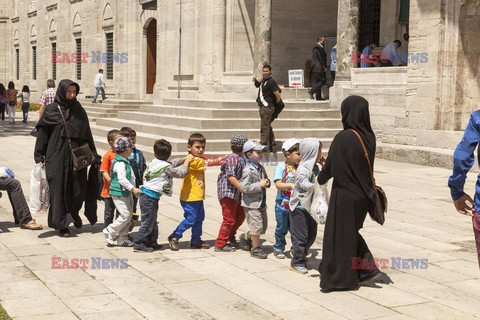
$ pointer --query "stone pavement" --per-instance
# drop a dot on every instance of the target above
(203, 284)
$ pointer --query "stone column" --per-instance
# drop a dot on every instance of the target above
(347, 36)
(263, 35)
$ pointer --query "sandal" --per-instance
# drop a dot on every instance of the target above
(31, 225)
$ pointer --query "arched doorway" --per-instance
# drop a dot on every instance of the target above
(151, 54)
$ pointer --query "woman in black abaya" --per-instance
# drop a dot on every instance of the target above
(344, 249)
(68, 188)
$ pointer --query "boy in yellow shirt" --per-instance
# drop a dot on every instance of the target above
(193, 193)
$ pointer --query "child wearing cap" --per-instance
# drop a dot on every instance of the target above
(254, 182)
(122, 185)
(283, 178)
(229, 194)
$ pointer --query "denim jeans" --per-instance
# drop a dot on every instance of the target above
(304, 231)
(148, 232)
(194, 214)
(21, 212)
(97, 90)
(25, 108)
(282, 227)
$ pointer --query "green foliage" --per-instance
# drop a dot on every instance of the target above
(34, 106)
(3, 314)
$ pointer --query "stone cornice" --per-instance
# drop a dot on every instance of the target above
(51, 7)
(16, 19)
(75, 1)
(32, 14)
(4, 19)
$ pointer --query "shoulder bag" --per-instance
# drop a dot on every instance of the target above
(377, 212)
(82, 156)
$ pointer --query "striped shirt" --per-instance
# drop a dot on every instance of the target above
(463, 160)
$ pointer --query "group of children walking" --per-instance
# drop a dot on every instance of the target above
(241, 190)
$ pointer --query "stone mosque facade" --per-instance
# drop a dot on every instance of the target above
(211, 49)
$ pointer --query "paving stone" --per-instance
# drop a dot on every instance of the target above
(124, 314)
(15, 274)
(433, 311)
(35, 250)
(63, 316)
(35, 306)
(96, 303)
(23, 289)
(62, 275)
(78, 289)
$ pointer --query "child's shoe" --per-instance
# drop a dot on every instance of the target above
(173, 243)
(124, 243)
(156, 246)
(258, 253)
(200, 245)
(299, 269)
(142, 248)
(227, 248)
(233, 242)
(109, 238)
(246, 242)
(279, 254)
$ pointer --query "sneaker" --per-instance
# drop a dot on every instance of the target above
(299, 269)
(200, 245)
(109, 238)
(258, 253)
(156, 246)
(142, 248)
(227, 248)
(173, 243)
(279, 254)
(246, 243)
(233, 242)
(124, 243)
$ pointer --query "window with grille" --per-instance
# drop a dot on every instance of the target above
(33, 4)
(54, 61)
(109, 40)
(369, 23)
(78, 42)
(16, 8)
(17, 63)
(34, 62)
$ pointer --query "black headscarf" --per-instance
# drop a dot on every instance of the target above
(355, 115)
(74, 114)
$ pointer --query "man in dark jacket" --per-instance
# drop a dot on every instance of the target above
(318, 69)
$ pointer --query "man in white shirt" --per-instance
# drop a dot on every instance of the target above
(391, 56)
(99, 84)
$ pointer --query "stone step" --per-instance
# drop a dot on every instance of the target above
(251, 112)
(184, 132)
(301, 93)
(437, 157)
(238, 104)
(232, 123)
(111, 101)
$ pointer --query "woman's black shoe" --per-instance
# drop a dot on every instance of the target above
(64, 233)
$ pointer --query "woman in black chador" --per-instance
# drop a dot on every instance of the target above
(346, 259)
(68, 188)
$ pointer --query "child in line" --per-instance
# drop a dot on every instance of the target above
(303, 227)
(283, 178)
(138, 163)
(122, 186)
(229, 194)
(158, 181)
(254, 183)
(105, 168)
(193, 193)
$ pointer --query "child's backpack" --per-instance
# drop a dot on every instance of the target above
(12, 97)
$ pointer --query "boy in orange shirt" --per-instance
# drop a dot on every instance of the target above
(105, 170)
(193, 193)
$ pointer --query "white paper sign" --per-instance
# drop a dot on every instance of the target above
(295, 78)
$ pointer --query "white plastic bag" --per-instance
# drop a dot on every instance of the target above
(39, 193)
(319, 206)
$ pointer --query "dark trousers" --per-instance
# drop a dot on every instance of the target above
(303, 229)
(21, 212)
(318, 81)
(2, 111)
(267, 138)
(233, 217)
(148, 233)
(109, 211)
(386, 63)
(333, 76)
(25, 108)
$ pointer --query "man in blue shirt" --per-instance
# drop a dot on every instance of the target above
(366, 57)
(333, 64)
(463, 160)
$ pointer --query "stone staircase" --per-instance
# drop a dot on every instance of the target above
(175, 119)
(110, 108)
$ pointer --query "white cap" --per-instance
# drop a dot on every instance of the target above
(251, 145)
(289, 143)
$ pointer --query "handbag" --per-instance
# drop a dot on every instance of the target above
(82, 156)
(380, 202)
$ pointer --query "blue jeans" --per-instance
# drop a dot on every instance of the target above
(194, 214)
(282, 227)
(148, 232)
(25, 108)
(97, 90)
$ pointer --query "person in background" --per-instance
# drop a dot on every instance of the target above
(100, 85)
(48, 96)
(333, 64)
(318, 69)
(3, 101)
(12, 102)
(25, 97)
(366, 57)
(390, 55)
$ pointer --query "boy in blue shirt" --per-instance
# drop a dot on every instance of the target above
(283, 178)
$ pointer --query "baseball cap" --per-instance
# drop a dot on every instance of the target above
(251, 145)
(238, 140)
(122, 144)
(289, 143)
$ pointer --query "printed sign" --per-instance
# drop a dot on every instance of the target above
(295, 78)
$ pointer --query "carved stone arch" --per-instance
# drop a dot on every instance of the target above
(33, 31)
(146, 17)
(77, 22)
(53, 27)
(15, 35)
(107, 12)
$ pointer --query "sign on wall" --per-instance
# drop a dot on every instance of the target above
(295, 78)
